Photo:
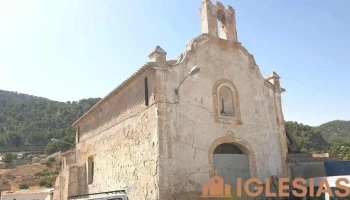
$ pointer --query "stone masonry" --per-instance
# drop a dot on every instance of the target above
(154, 135)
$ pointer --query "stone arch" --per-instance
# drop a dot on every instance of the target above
(244, 146)
(221, 23)
(227, 148)
(231, 95)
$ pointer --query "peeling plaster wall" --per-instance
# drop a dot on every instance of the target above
(164, 151)
(187, 130)
(307, 165)
(61, 185)
(122, 138)
(68, 159)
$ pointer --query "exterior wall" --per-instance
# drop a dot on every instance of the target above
(165, 150)
(189, 130)
(307, 165)
(121, 137)
(69, 159)
(61, 185)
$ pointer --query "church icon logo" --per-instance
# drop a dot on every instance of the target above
(216, 187)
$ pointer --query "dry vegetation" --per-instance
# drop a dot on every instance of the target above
(32, 175)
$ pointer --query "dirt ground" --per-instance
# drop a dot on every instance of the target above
(27, 174)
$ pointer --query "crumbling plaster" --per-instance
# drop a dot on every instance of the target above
(164, 150)
(121, 136)
(188, 131)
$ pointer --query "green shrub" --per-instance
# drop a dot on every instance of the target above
(38, 174)
(48, 164)
(8, 158)
(49, 185)
(23, 186)
(42, 183)
(52, 159)
(44, 173)
(347, 157)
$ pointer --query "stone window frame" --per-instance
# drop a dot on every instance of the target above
(236, 120)
(78, 134)
(233, 100)
(90, 170)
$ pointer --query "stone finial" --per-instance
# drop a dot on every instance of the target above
(158, 50)
(274, 78)
(273, 75)
(158, 55)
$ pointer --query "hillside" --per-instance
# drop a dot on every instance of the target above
(333, 137)
(336, 128)
(308, 138)
(28, 120)
(35, 175)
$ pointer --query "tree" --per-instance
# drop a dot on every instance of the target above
(51, 148)
(42, 183)
(29, 120)
(8, 158)
(347, 157)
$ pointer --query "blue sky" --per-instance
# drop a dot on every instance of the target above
(68, 50)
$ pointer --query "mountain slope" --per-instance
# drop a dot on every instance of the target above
(308, 138)
(336, 128)
(30, 120)
(332, 137)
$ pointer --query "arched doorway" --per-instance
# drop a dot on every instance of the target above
(232, 163)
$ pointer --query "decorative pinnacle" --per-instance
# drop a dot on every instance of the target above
(273, 75)
(158, 50)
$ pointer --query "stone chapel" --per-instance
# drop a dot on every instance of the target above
(163, 132)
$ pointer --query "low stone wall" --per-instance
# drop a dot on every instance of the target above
(307, 165)
(70, 182)
(61, 185)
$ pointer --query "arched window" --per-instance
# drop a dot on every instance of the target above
(226, 100)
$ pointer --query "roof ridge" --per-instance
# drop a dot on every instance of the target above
(115, 90)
